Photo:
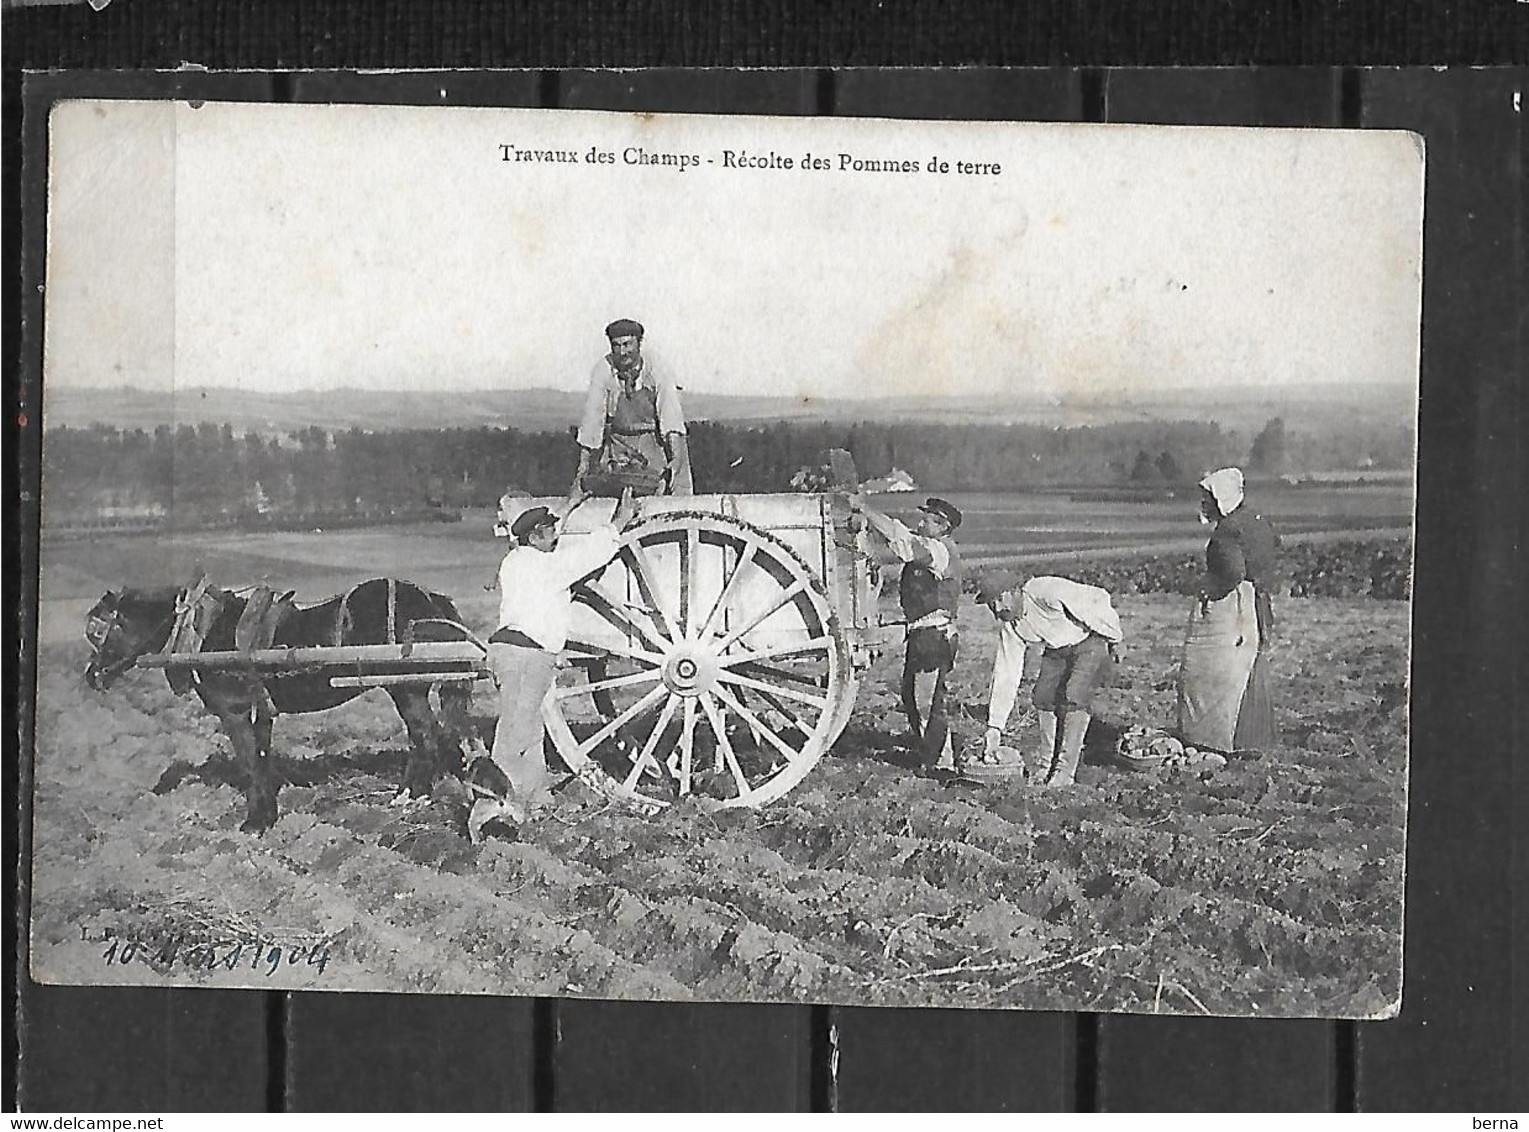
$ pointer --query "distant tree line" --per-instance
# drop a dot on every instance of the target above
(208, 473)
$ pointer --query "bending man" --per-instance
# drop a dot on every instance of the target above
(633, 430)
(1074, 629)
(535, 608)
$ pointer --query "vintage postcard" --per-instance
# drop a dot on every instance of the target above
(755, 559)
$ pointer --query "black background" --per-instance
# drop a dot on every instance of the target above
(1462, 1043)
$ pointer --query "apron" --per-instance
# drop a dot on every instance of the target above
(1220, 651)
(632, 455)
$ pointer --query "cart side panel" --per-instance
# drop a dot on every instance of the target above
(798, 521)
(795, 519)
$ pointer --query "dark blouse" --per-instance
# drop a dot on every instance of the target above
(1244, 547)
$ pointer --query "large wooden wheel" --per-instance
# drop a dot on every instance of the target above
(708, 660)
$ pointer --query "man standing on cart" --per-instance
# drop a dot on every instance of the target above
(535, 608)
(929, 591)
(633, 431)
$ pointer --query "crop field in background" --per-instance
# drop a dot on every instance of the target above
(454, 557)
(1273, 886)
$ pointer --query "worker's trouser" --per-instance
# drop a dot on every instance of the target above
(1071, 675)
(524, 676)
(927, 664)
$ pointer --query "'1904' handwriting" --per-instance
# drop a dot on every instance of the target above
(169, 952)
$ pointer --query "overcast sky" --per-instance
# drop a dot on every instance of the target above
(298, 247)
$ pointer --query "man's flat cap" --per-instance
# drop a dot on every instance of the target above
(944, 509)
(532, 520)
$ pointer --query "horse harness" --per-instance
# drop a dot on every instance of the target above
(343, 621)
(197, 609)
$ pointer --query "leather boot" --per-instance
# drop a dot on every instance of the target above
(1064, 771)
(1045, 754)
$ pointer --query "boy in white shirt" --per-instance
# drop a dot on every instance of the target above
(535, 607)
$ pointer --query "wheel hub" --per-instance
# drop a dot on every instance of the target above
(689, 673)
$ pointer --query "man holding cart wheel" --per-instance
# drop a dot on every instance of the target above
(535, 607)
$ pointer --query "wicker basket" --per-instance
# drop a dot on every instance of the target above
(609, 483)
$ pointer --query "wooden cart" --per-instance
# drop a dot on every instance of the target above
(717, 654)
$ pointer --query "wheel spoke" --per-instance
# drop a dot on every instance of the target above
(642, 705)
(814, 644)
(646, 756)
(796, 720)
(760, 671)
(755, 723)
(786, 596)
(620, 615)
(727, 591)
(658, 604)
(690, 557)
(605, 651)
(687, 744)
(724, 744)
(592, 686)
(735, 678)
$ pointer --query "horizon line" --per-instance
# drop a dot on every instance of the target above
(1053, 398)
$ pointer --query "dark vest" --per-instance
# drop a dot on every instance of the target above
(921, 593)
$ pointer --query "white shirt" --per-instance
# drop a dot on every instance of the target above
(534, 595)
(1058, 612)
(1053, 613)
(910, 547)
(906, 546)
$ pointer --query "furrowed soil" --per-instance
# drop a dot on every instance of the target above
(1272, 886)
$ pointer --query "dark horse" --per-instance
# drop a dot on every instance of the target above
(129, 623)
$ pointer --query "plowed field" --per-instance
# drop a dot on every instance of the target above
(1272, 886)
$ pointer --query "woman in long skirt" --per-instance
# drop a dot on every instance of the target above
(1225, 697)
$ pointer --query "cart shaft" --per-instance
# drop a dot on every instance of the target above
(395, 679)
(448, 653)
